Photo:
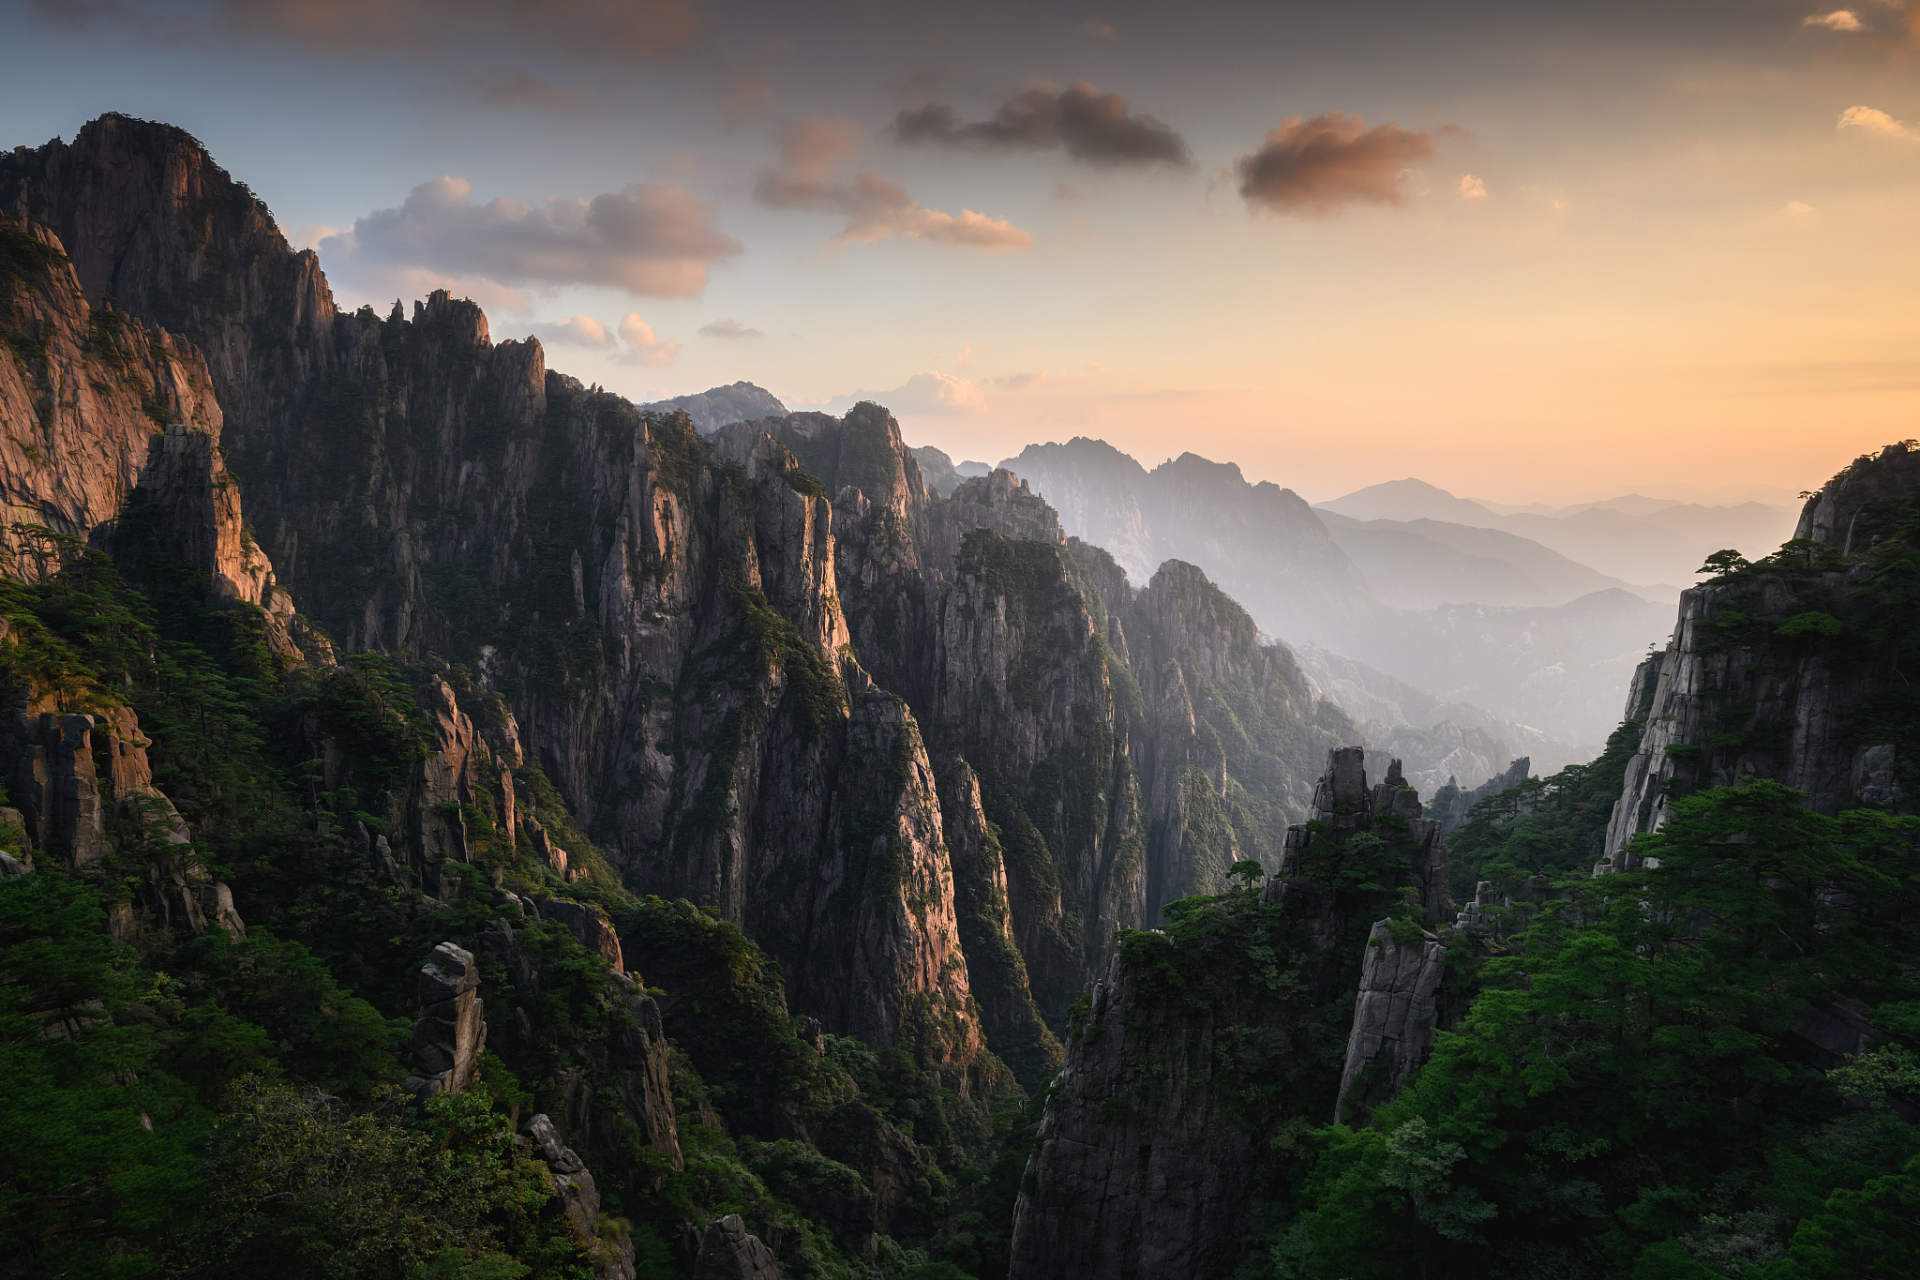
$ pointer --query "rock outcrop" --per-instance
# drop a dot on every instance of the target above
(611, 1099)
(1453, 805)
(1141, 1167)
(728, 1251)
(1203, 1040)
(85, 790)
(451, 1030)
(1752, 685)
(1395, 1016)
(579, 1199)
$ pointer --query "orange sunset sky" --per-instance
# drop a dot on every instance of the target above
(1527, 252)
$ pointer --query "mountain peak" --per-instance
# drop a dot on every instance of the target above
(715, 407)
(1409, 499)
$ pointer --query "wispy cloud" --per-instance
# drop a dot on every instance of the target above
(924, 395)
(1472, 188)
(811, 153)
(1094, 127)
(1838, 20)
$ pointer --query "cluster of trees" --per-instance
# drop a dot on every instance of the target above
(1627, 1094)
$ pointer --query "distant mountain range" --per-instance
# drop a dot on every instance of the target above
(1474, 615)
(1633, 538)
(1418, 564)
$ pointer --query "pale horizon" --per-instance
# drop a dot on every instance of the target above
(1531, 254)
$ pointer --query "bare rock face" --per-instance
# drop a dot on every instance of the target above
(889, 892)
(996, 969)
(729, 1252)
(186, 483)
(82, 391)
(451, 1031)
(1139, 1171)
(1729, 700)
(1394, 1019)
(580, 1203)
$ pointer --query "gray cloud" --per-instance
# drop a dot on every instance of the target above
(650, 239)
(1322, 165)
(1092, 126)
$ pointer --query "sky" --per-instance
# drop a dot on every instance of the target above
(1524, 251)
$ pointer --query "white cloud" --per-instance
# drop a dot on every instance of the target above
(1872, 120)
(644, 347)
(310, 235)
(1838, 20)
(650, 239)
(1796, 209)
(1472, 188)
(575, 331)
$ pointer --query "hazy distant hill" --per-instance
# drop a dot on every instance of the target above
(1417, 564)
(1511, 626)
(1433, 738)
(1262, 544)
(715, 408)
(936, 468)
(1634, 538)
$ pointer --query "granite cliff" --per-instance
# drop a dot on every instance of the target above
(1788, 667)
(1208, 1046)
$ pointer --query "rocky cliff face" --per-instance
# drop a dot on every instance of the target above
(1788, 668)
(755, 666)
(83, 390)
(1204, 1046)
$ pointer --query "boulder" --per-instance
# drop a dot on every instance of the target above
(728, 1251)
